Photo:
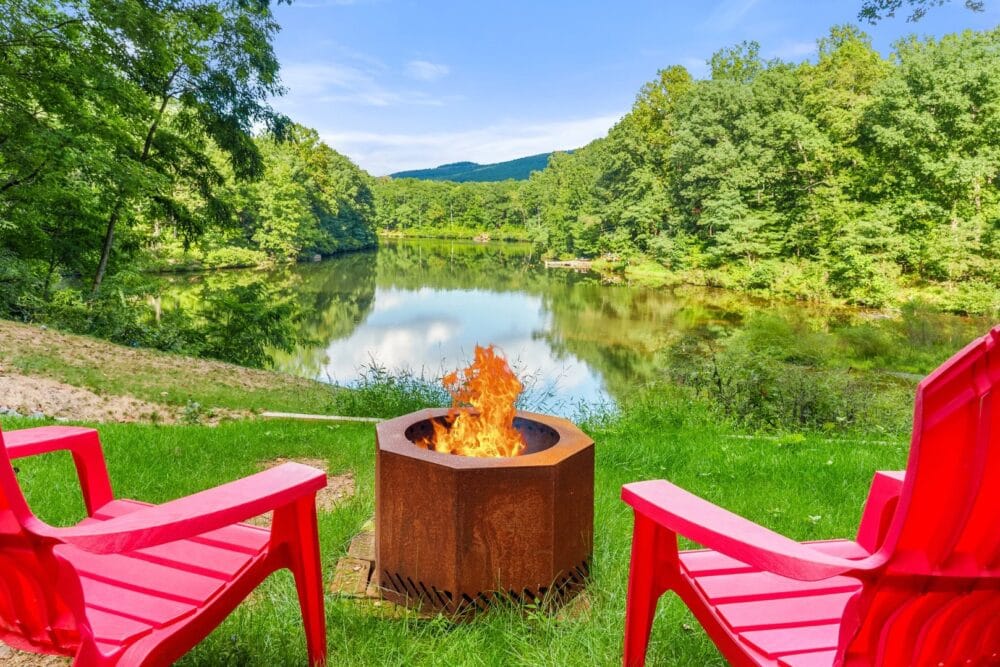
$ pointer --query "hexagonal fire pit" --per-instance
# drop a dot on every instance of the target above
(454, 532)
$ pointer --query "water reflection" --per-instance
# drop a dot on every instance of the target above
(431, 331)
(434, 302)
(424, 305)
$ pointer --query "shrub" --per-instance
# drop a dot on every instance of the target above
(868, 342)
(802, 281)
(234, 257)
(381, 393)
(670, 251)
(974, 297)
(748, 382)
(761, 276)
(19, 287)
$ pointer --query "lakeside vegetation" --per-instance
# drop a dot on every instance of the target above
(444, 209)
(853, 179)
(310, 202)
(856, 178)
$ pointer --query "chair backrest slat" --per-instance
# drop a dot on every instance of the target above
(946, 521)
(937, 599)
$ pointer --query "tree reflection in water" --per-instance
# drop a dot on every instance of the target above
(423, 305)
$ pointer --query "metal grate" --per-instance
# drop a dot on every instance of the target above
(426, 596)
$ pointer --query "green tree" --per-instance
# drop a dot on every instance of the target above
(935, 155)
(195, 72)
(874, 11)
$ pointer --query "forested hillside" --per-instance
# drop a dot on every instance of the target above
(444, 209)
(463, 172)
(311, 200)
(854, 177)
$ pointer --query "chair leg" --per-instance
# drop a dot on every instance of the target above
(303, 541)
(654, 556)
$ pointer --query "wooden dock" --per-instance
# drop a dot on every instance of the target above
(575, 264)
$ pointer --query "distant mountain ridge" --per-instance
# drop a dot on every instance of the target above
(461, 172)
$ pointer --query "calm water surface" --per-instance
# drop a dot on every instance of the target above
(423, 306)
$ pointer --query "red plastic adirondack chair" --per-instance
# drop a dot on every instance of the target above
(139, 584)
(920, 585)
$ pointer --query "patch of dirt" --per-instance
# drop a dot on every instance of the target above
(84, 352)
(12, 658)
(29, 395)
(339, 488)
(32, 395)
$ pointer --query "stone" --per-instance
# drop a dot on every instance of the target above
(350, 578)
(363, 546)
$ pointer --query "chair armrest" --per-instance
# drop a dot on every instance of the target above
(719, 529)
(879, 508)
(195, 514)
(85, 446)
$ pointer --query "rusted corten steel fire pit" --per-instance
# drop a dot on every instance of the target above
(453, 532)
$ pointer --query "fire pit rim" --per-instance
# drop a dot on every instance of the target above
(392, 439)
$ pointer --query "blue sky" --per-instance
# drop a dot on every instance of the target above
(402, 84)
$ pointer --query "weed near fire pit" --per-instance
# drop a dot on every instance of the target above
(809, 486)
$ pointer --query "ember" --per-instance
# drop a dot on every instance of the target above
(490, 388)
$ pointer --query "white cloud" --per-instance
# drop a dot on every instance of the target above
(423, 70)
(728, 14)
(387, 153)
(794, 50)
(314, 79)
(309, 84)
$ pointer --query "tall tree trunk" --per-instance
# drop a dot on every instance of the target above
(109, 239)
(109, 234)
(47, 288)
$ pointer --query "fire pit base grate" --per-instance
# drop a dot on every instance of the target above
(405, 591)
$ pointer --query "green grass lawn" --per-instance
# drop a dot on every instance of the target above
(803, 486)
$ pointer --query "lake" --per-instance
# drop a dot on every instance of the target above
(422, 306)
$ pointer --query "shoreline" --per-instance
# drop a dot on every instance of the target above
(645, 272)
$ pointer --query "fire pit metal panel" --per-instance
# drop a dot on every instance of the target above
(453, 531)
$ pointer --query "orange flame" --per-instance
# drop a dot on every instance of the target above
(490, 387)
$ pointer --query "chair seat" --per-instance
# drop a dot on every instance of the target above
(780, 621)
(130, 595)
